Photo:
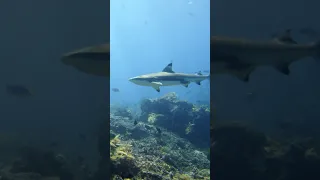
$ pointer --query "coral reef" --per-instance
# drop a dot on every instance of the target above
(35, 164)
(181, 117)
(239, 152)
(121, 158)
(152, 149)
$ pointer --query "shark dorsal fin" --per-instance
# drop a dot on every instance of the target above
(285, 37)
(168, 68)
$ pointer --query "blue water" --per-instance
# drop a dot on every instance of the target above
(147, 35)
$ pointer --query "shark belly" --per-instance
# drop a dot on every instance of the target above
(170, 83)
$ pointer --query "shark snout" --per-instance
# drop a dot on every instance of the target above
(139, 81)
(133, 80)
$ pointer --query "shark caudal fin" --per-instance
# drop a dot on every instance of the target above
(317, 47)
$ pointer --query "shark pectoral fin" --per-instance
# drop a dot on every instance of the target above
(244, 75)
(199, 83)
(157, 88)
(283, 68)
(185, 83)
(156, 83)
(241, 70)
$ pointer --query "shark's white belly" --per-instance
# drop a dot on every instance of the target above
(161, 83)
(170, 83)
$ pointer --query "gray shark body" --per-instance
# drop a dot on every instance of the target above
(237, 57)
(240, 57)
(93, 60)
(168, 78)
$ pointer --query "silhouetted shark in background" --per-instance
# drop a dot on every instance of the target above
(237, 57)
(93, 60)
(240, 57)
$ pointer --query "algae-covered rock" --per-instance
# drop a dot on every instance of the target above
(121, 158)
(181, 117)
(163, 142)
(236, 151)
(126, 127)
(36, 164)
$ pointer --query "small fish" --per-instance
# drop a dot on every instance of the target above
(190, 14)
(135, 122)
(158, 130)
(115, 90)
(18, 90)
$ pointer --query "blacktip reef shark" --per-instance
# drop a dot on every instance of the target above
(234, 56)
(167, 77)
(240, 57)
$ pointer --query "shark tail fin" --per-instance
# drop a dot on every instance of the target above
(317, 47)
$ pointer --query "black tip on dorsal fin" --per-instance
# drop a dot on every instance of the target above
(285, 37)
(168, 68)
